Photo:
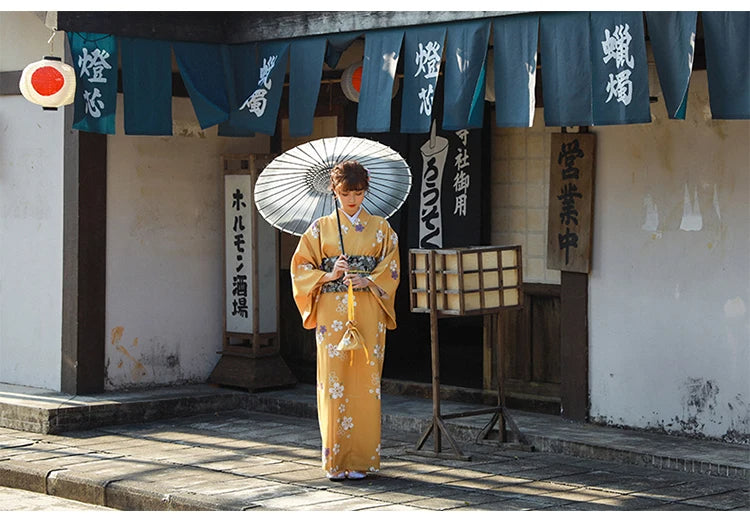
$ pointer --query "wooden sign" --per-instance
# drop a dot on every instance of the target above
(571, 199)
(240, 242)
(250, 356)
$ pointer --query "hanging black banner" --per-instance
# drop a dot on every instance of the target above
(448, 196)
(445, 203)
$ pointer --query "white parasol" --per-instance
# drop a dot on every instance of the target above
(292, 190)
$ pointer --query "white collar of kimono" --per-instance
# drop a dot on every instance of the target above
(353, 219)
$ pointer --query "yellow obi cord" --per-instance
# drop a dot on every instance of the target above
(350, 317)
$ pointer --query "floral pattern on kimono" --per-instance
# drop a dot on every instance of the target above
(348, 382)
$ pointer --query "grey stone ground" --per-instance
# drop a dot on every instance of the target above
(248, 460)
(22, 500)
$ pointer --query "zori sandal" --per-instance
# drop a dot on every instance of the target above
(336, 476)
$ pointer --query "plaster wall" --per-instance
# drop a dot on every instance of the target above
(31, 167)
(23, 40)
(520, 194)
(670, 285)
(165, 246)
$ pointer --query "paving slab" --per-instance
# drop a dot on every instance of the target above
(516, 504)
(687, 490)
(618, 503)
(735, 499)
(256, 495)
(347, 504)
(676, 506)
(393, 497)
(75, 486)
(489, 481)
(204, 462)
(304, 501)
(210, 487)
(294, 476)
(438, 503)
(394, 507)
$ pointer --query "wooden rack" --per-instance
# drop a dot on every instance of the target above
(460, 282)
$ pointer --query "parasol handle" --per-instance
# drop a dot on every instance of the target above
(338, 221)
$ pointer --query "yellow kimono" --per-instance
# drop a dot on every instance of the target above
(348, 382)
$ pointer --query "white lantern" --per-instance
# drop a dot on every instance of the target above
(351, 82)
(49, 83)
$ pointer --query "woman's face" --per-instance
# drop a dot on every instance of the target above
(350, 200)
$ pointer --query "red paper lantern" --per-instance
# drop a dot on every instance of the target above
(49, 83)
(351, 82)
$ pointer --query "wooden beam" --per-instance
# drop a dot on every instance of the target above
(84, 260)
(9, 82)
(574, 346)
(237, 27)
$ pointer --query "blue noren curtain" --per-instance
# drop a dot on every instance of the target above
(619, 68)
(95, 63)
(672, 37)
(566, 69)
(146, 86)
(202, 70)
(305, 71)
(382, 51)
(465, 55)
(515, 44)
(727, 38)
(423, 50)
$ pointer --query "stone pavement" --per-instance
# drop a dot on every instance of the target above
(266, 456)
(244, 460)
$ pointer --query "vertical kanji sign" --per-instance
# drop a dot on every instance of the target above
(238, 245)
(250, 260)
(571, 197)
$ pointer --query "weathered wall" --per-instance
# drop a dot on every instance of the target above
(165, 251)
(520, 194)
(670, 286)
(31, 166)
(23, 39)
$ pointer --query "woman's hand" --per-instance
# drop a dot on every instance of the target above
(358, 281)
(340, 267)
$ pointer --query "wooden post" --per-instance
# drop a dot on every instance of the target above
(499, 355)
(254, 258)
(435, 350)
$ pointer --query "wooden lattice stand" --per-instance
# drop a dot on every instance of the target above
(462, 282)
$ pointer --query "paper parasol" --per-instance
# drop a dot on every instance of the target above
(292, 190)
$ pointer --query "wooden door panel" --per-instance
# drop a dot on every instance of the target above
(531, 349)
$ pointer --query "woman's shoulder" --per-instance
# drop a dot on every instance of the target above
(382, 222)
(319, 222)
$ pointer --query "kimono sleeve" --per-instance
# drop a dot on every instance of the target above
(387, 273)
(306, 276)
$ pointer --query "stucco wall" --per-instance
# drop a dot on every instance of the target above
(23, 40)
(165, 251)
(670, 285)
(31, 166)
(520, 194)
(30, 243)
(668, 296)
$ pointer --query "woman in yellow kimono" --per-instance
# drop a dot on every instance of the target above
(348, 381)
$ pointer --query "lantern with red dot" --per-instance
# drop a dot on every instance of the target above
(351, 82)
(49, 83)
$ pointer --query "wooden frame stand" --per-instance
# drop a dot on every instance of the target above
(460, 282)
(251, 358)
